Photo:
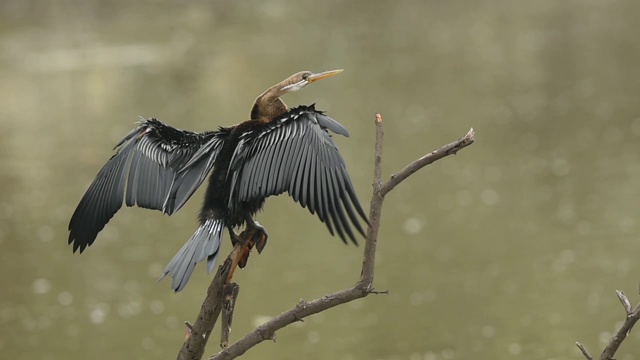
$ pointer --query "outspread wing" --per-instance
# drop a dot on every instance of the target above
(155, 167)
(296, 154)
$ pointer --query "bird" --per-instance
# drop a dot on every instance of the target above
(278, 150)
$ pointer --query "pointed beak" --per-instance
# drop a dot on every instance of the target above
(323, 75)
(312, 78)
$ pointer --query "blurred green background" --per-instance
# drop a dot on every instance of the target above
(510, 250)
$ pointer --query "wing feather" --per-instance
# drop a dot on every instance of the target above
(340, 208)
(285, 166)
(296, 154)
(295, 169)
(332, 200)
(155, 167)
(277, 157)
(322, 195)
(303, 176)
(315, 196)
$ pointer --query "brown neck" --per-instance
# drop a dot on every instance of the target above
(268, 106)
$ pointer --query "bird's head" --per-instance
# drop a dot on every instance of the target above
(299, 80)
(269, 106)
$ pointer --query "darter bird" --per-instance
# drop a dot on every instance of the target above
(278, 150)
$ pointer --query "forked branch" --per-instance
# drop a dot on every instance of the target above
(633, 315)
(194, 348)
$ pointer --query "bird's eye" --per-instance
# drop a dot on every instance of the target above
(305, 76)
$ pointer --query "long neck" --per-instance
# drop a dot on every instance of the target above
(268, 106)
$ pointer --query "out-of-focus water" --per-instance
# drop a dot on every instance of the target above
(511, 249)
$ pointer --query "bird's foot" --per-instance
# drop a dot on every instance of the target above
(254, 236)
(259, 234)
(239, 255)
(244, 255)
(259, 237)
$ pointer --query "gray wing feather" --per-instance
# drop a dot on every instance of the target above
(296, 154)
(155, 167)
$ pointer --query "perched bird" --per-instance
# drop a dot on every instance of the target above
(278, 150)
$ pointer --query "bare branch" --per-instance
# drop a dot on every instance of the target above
(199, 332)
(362, 288)
(437, 154)
(625, 302)
(303, 309)
(584, 351)
(230, 294)
(377, 164)
(375, 212)
(632, 316)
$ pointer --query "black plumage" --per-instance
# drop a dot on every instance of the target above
(159, 167)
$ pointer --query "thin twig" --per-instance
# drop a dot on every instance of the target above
(624, 300)
(632, 316)
(364, 286)
(584, 351)
(375, 212)
(439, 153)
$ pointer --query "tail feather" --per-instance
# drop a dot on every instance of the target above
(211, 261)
(203, 244)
